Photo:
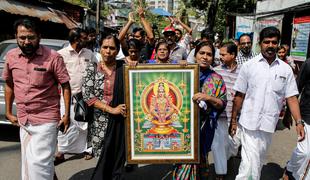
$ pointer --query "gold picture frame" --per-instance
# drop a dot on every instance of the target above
(162, 120)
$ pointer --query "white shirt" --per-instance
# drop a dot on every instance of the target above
(76, 64)
(265, 87)
(185, 42)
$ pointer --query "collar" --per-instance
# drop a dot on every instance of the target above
(261, 58)
(70, 48)
(39, 52)
(244, 55)
(224, 66)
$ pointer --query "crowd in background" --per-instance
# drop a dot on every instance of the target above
(231, 74)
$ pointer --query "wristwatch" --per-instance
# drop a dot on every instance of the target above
(300, 121)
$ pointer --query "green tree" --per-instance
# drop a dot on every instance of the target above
(215, 11)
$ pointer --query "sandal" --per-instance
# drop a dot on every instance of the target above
(88, 156)
(59, 158)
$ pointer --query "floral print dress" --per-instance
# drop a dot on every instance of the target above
(94, 88)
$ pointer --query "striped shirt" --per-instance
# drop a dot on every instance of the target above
(229, 76)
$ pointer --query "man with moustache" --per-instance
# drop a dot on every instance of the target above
(177, 52)
(32, 73)
(76, 57)
(245, 53)
(262, 85)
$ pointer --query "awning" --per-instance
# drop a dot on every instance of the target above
(42, 13)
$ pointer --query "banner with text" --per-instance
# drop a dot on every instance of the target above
(260, 24)
(244, 25)
(300, 38)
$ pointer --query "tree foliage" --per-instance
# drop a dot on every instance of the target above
(215, 11)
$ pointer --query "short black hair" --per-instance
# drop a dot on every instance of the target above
(138, 29)
(231, 48)
(207, 34)
(244, 34)
(202, 44)
(134, 43)
(269, 32)
(179, 31)
(28, 23)
(75, 34)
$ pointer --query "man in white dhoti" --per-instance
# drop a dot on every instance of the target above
(261, 86)
(32, 73)
(299, 164)
(223, 147)
(76, 57)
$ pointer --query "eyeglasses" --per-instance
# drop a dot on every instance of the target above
(244, 43)
(30, 38)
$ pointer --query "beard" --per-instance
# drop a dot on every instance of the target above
(170, 41)
(29, 49)
(246, 50)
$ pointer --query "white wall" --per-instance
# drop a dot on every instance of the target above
(275, 5)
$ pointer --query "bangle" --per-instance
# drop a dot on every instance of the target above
(300, 121)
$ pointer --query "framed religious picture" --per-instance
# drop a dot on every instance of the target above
(162, 119)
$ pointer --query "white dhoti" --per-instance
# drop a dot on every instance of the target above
(300, 158)
(223, 147)
(253, 153)
(38, 146)
(75, 140)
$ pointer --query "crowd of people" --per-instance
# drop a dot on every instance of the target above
(244, 93)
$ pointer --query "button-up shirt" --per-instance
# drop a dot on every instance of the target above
(178, 53)
(265, 87)
(76, 63)
(36, 84)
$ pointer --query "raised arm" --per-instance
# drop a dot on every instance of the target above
(146, 25)
(125, 29)
(184, 26)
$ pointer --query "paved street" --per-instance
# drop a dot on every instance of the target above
(76, 168)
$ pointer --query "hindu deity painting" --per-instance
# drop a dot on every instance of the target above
(161, 123)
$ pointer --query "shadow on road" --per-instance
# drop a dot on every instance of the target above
(9, 133)
(149, 172)
(83, 175)
(272, 171)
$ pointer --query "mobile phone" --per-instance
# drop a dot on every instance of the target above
(61, 128)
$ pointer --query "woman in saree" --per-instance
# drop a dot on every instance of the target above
(212, 101)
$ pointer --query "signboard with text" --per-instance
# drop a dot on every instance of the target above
(300, 38)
